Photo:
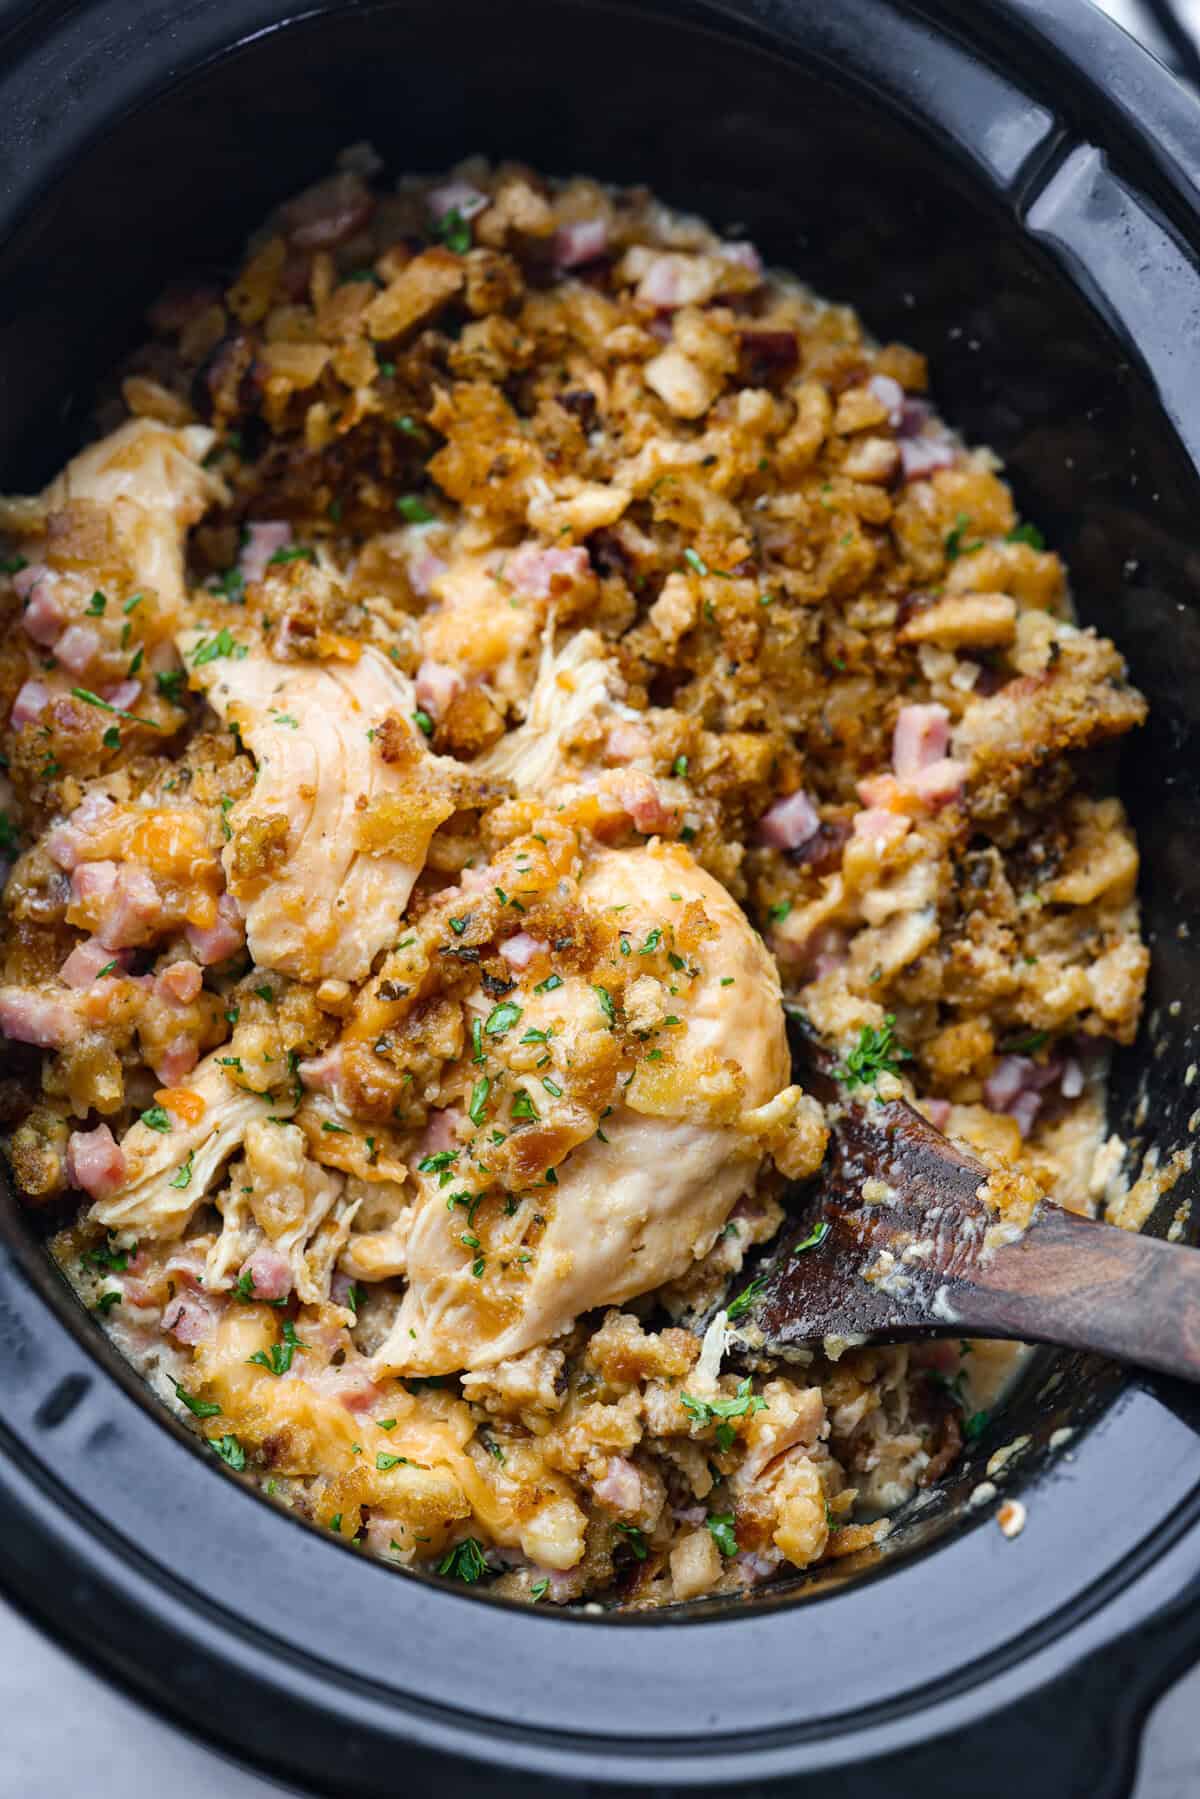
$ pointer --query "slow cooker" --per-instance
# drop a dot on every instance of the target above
(1010, 185)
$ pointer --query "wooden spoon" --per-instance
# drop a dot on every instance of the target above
(918, 1256)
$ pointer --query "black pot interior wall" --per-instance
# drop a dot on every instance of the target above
(868, 208)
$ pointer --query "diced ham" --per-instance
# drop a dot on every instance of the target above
(436, 686)
(219, 941)
(940, 783)
(340, 1288)
(441, 1132)
(938, 1112)
(85, 961)
(77, 648)
(351, 1385)
(626, 741)
(640, 796)
(93, 884)
(43, 617)
(123, 694)
(270, 1272)
(1017, 1085)
(921, 737)
(580, 242)
(329, 212)
(174, 1063)
(180, 983)
(321, 1074)
(27, 578)
(264, 538)
(191, 1318)
(64, 842)
(29, 704)
(889, 393)
(790, 822)
(922, 456)
(620, 1486)
(132, 905)
(521, 950)
(95, 1162)
(534, 571)
(461, 197)
(36, 1018)
(914, 416)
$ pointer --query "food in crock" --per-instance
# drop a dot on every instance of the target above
(470, 625)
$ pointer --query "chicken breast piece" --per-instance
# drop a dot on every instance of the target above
(325, 849)
(572, 684)
(149, 479)
(631, 1212)
(169, 1172)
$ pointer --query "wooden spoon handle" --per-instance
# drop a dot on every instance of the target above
(1087, 1285)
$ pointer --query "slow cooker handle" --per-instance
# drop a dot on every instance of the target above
(1082, 1733)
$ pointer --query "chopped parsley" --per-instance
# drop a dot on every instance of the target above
(522, 1105)
(551, 983)
(107, 1301)
(877, 1052)
(779, 912)
(479, 1098)
(294, 552)
(1027, 1045)
(423, 722)
(229, 1450)
(107, 969)
(244, 1285)
(93, 699)
(653, 939)
(464, 1562)
(223, 644)
(199, 1408)
(182, 1176)
(111, 738)
(741, 1305)
(814, 1239)
(440, 1158)
(636, 1538)
(695, 561)
(169, 681)
(975, 1426)
(414, 510)
(502, 1018)
(955, 546)
(1026, 534)
(454, 231)
(112, 1256)
(157, 1118)
(96, 605)
(281, 1355)
(606, 1004)
(744, 1404)
(539, 1589)
(723, 1534)
(383, 1461)
(459, 925)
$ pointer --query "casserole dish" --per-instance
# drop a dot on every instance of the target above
(972, 188)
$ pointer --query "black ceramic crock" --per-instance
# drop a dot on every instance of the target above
(1012, 188)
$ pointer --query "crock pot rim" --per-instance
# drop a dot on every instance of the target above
(1148, 1585)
